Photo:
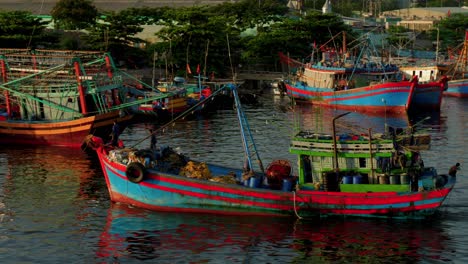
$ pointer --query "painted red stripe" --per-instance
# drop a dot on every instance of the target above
(221, 198)
(224, 211)
(327, 198)
(387, 90)
(363, 199)
(255, 193)
(251, 193)
(366, 95)
(380, 211)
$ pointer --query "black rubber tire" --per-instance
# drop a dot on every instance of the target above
(135, 172)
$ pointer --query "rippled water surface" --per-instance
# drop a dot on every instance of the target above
(54, 205)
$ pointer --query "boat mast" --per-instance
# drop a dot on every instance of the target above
(81, 89)
(335, 151)
(250, 148)
(6, 93)
(371, 153)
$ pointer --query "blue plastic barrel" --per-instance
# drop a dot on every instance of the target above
(357, 179)
(348, 179)
(287, 185)
(254, 182)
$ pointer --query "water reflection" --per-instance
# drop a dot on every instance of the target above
(54, 201)
(46, 181)
(132, 233)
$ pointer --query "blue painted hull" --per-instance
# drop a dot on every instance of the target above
(428, 96)
(171, 192)
(390, 98)
(457, 88)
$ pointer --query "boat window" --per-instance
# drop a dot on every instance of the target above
(420, 73)
(307, 168)
(362, 163)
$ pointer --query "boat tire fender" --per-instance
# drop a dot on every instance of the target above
(135, 172)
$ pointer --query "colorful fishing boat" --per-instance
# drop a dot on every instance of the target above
(428, 95)
(457, 88)
(360, 83)
(184, 95)
(59, 97)
(333, 87)
(165, 180)
(458, 84)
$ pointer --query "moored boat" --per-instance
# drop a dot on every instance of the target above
(59, 97)
(363, 83)
(165, 180)
(429, 93)
(457, 88)
(458, 84)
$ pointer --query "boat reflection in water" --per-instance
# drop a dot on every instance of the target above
(133, 233)
(46, 181)
(319, 119)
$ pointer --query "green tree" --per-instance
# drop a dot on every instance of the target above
(397, 36)
(252, 13)
(196, 36)
(294, 36)
(116, 33)
(74, 14)
(20, 29)
(451, 30)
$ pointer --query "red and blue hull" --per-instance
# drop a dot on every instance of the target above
(67, 133)
(428, 96)
(168, 192)
(457, 88)
(385, 98)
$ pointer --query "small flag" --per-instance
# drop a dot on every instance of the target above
(188, 69)
(198, 69)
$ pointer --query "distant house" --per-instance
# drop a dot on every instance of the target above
(421, 19)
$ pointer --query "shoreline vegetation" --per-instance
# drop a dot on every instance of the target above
(213, 35)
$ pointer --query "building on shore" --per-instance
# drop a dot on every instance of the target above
(421, 19)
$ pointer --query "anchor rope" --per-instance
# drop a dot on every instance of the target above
(295, 209)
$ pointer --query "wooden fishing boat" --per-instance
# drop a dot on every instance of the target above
(182, 97)
(458, 84)
(165, 180)
(428, 94)
(360, 83)
(59, 97)
(457, 88)
(70, 133)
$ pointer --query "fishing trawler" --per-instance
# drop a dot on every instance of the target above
(57, 98)
(363, 176)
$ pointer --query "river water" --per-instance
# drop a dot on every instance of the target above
(54, 205)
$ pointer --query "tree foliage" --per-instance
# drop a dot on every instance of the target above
(295, 36)
(20, 29)
(397, 36)
(74, 14)
(196, 36)
(252, 13)
(451, 30)
(116, 33)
